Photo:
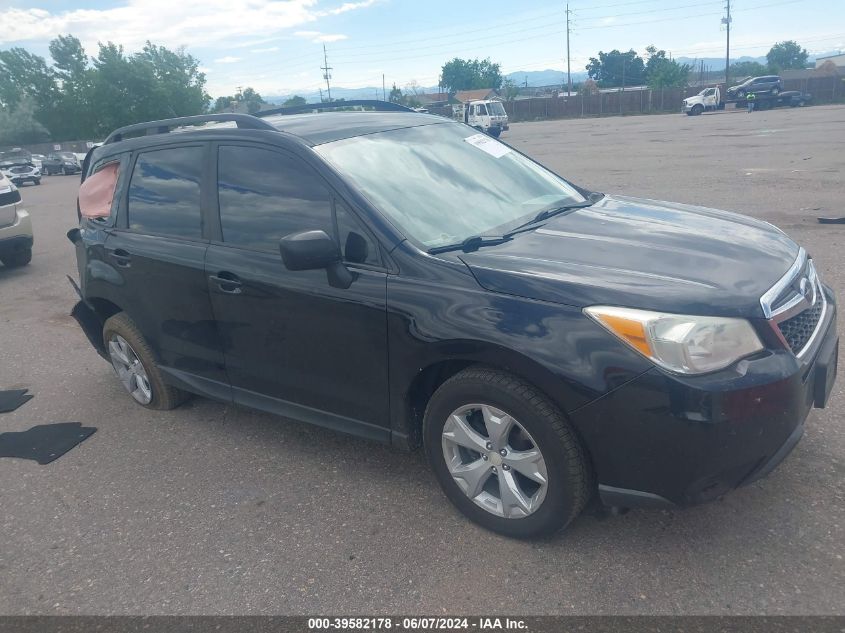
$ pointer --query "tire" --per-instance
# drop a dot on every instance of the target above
(495, 132)
(538, 424)
(162, 396)
(17, 259)
(37, 181)
(65, 172)
(802, 103)
(697, 109)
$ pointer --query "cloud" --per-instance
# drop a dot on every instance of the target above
(317, 37)
(188, 23)
(227, 60)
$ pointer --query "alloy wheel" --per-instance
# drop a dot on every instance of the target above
(494, 461)
(129, 369)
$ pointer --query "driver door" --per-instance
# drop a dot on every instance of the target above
(295, 344)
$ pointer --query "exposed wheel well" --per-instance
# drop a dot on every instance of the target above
(423, 386)
(104, 308)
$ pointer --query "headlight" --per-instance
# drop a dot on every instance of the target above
(677, 342)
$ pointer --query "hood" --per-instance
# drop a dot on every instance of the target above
(642, 254)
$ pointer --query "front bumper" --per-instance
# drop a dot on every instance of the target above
(673, 440)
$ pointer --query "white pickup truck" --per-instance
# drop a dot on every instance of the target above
(486, 116)
(707, 99)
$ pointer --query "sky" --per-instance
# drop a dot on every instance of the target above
(276, 47)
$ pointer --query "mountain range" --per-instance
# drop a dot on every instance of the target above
(531, 78)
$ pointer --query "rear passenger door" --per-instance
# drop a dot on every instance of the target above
(158, 251)
(295, 344)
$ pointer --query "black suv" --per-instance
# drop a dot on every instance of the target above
(403, 278)
(61, 163)
(770, 84)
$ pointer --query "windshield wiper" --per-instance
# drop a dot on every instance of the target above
(545, 214)
(474, 242)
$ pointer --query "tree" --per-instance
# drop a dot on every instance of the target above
(510, 89)
(396, 95)
(295, 100)
(19, 126)
(748, 69)
(466, 74)
(786, 55)
(22, 75)
(616, 69)
(662, 72)
(588, 88)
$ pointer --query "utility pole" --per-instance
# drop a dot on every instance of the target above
(568, 71)
(727, 22)
(383, 89)
(326, 74)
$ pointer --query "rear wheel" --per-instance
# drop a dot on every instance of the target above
(776, 91)
(18, 258)
(504, 454)
(135, 365)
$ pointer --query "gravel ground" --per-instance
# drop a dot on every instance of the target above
(212, 509)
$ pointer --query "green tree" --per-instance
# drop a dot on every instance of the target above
(509, 89)
(72, 115)
(20, 127)
(395, 95)
(295, 100)
(615, 69)
(466, 74)
(786, 55)
(662, 72)
(224, 104)
(22, 75)
(740, 70)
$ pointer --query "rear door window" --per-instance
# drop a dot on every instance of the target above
(164, 192)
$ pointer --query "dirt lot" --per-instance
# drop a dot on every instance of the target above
(216, 509)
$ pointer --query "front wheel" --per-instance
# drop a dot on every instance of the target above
(504, 454)
(697, 109)
(37, 181)
(495, 132)
(740, 94)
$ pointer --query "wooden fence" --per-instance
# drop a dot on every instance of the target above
(823, 90)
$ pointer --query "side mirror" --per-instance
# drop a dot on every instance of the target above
(312, 250)
(309, 250)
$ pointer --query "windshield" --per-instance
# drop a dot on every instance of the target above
(443, 183)
(496, 108)
(69, 155)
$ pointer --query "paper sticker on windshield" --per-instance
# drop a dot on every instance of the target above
(488, 144)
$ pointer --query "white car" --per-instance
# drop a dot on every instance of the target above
(21, 172)
(15, 227)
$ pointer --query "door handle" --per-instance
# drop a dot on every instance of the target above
(121, 257)
(227, 282)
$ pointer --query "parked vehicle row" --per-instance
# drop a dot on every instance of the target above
(400, 277)
(767, 92)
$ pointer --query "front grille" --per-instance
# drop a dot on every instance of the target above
(798, 329)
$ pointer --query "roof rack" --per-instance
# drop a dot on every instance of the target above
(378, 106)
(164, 126)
